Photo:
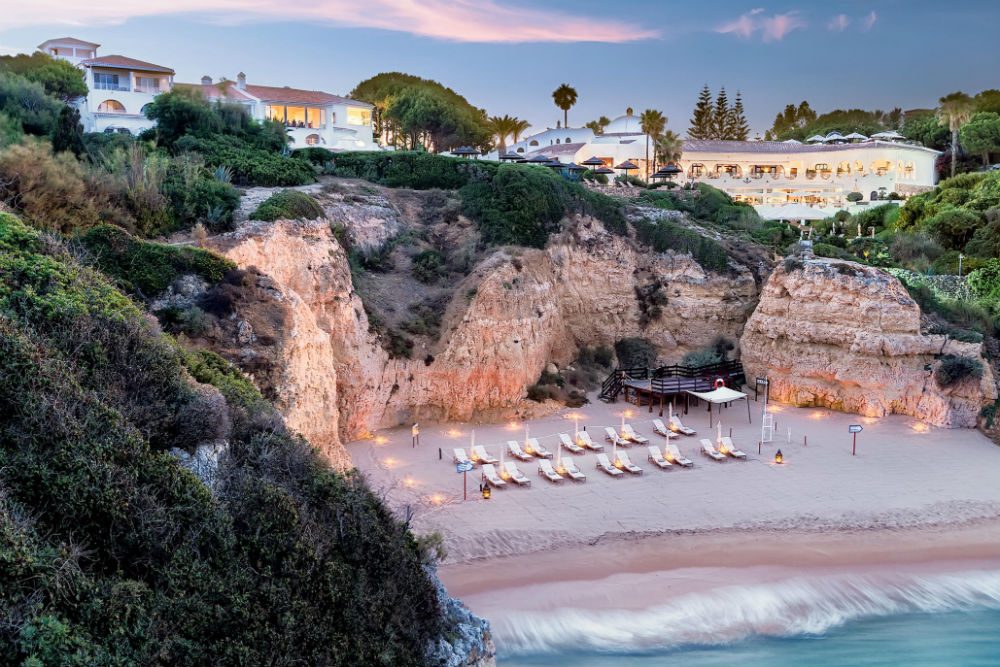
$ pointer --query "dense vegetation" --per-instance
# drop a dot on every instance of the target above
(112, 553)
(288, 205)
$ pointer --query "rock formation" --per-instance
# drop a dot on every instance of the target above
(845, 336)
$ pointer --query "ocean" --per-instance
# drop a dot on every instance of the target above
(929, 620)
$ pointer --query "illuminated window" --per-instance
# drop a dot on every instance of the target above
(696, 170)
(356, 116)
(111, 106)
(315, 118)
(295, 116)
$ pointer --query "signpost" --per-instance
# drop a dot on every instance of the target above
(854, 429)
(463, 468)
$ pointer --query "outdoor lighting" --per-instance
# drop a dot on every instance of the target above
(486, 492)
(920, 427)
(779, 457)
(381, 440)
(409, 482)
(389, 462)
(454, 433)
(512, 426)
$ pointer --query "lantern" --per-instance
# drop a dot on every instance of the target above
(778, 457)
(486, 492)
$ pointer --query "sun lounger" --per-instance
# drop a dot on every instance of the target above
(546, 470)
(515, 450)
(612, 437)
(677, 427)
(568, 443)
(673, 454)
(584, 439)
(492, 478)
(623, 461)
(709, 450)
(604, 464)
(480, 455)
(515, 475)
(629, 434)
(531, 446)
(656, 458)
(574, 473)
(729, 449)
(460, 456)
(660, 429)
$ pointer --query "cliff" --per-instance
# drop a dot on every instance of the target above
(845, 336)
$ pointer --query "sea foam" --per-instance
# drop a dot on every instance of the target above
(796, 606)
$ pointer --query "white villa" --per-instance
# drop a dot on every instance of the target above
(763, 173)
(121, 88)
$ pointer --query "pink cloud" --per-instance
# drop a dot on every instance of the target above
(868, 22)
(771, 28)
(452, 20)
(839, 23)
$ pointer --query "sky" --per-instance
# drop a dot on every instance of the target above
(507, 56)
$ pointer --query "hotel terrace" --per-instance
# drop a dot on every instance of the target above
(121, 88)
(820, 173)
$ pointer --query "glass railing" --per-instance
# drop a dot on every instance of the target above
(152, 90)
(101, 85)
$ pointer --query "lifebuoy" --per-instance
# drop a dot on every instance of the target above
(719, 382)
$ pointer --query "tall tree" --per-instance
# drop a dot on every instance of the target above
(68, 134)
(565, 97)
(721, 115)
(652, 123)
(955, 110)
(502, 127)
(519, 127)
(702, 120)
(669, 146)
(981, 135)
(739, 129)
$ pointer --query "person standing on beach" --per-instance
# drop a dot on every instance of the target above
(415, 432)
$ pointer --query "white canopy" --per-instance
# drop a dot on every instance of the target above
(790, 212)
(720, 396)
(890, 134)
(815, 138)
(856, 135)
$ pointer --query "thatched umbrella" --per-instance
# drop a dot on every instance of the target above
(626, 166)
(504, 157)
(593, 162)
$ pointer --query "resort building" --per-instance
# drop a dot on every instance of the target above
(121, 88)
(765, 173)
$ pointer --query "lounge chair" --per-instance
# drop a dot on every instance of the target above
(515, 450)
(673, 454)
(574, 473)
(515, 475)
(660, 429)
(709, 450)
(729, 449)
(460, 456)
(677, 427)
(604, 464)
(584, 439)
(623, 461)
(480, 455)
(612, 437)
(492, 478)
(546, 470)
(656, 458)
(629, 434)
(532, 447)
(568, 443)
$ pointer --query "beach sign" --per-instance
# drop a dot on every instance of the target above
(464, 466)
(854, 428)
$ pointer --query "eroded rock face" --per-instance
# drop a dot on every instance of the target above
(841, 335)
(511, 317)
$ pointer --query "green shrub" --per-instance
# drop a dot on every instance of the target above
(250, 165)
(147, 268)
(985, 283)
(663, 235)
(855, 196)
(428, 266)
(288, 205)
(829, 250)
(791, 264)
(953, 369)
(954, 227)
(635, 352)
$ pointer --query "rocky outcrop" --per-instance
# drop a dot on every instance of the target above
(845, 336)
(517, 312)
(469, 643)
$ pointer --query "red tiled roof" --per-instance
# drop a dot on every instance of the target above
(69, 40)
(214, 91)
(121, 62)
(299, 96)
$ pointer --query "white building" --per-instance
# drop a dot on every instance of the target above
(122, 87)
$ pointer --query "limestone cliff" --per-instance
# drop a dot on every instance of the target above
(846, 336)
(516, 312)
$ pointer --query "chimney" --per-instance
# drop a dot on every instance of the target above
(241, 81)
(206, 80)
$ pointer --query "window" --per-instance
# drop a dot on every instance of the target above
(111, 106)
(315, 118)
(822, 166)
(312, 140)
(696, 170)
(356, 116)
(533, 142)
(147, 84)
(295, 116)
(108, 81)
(520, 149)
(557, 141)
(567, 141)
(84, 53)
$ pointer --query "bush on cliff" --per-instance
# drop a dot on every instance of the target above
(953, 369)
(113, 553)
(663, 235)
(288, 205)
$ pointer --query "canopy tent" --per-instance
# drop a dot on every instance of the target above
(721, 396)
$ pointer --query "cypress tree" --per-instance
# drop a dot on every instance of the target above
(720, 117)
(739, 130)
(702, 121)
(68, 135)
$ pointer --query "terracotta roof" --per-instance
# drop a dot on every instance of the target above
(122, 62)
(299, 96)
(213, 91)
(68, 40)
(712, 146)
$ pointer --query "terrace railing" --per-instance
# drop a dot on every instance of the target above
(674, 379)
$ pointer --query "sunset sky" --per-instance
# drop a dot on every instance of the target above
(508, 56)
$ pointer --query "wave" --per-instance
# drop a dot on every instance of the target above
(798, 606)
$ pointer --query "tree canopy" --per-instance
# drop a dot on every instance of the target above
(59, 78)
(721, 120)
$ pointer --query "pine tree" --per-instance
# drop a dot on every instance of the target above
(702, 121)
(720, 116)
(739, 130)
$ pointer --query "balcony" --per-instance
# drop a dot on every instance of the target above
(151, 90)
(103, 85)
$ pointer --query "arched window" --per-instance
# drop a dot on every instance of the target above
(567, 141)
(844, 168)
(533, 142)
(859, 166)
(557, 141)
(111, 106)
(312, 140)
(520, 149)
(881, 167)
(144, 110)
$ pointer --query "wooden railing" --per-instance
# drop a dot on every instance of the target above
(674, 379)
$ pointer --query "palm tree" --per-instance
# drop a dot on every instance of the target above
(955, 110)
(565, 97)
(597, 126)
(502, 127)
(653, 123)
(518, 128)
(669, 146)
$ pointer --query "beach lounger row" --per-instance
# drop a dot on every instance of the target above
(724, 452)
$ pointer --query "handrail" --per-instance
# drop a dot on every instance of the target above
(672, 379)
